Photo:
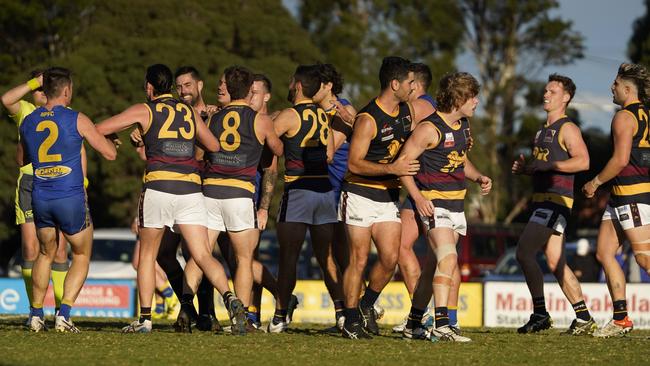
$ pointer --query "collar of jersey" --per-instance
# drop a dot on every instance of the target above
(236, 103)
(633, 102)
(561, 117)
(162, 96)
(450, 124)
(305, 101)
(384, 110)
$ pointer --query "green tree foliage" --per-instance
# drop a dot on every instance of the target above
(510, 39)
(639, 44)
(355, 35)
(108, 45)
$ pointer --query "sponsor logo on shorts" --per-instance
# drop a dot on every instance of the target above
(442, 217)
(354, 218)
(51, 172)
(624, 217)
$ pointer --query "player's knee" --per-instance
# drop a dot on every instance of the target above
(389, 260)
(643, 259)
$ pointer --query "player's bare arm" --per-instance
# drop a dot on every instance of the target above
(473, 174)
(364, 131)
(424, 136)
(137, 113)
(266, 134)
(286, 121)
(203, 134)
(11, 98)
(98, 141)
(622, 135)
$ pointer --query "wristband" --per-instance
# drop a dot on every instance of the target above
(86, 182)
(33, 84)
(596, 182)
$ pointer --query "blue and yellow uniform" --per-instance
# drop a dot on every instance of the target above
(26, 174)
(53, 145)
(339, 164)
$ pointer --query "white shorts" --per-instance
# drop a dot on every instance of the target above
(308, 207)
(552, 219)
(442, 217)
(159, 209)
(357, 210)
(232, 214)
(629, 216)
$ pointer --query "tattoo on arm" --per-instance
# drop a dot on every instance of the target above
(269, 178)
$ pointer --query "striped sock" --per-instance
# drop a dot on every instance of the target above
(581, 310)
(441, 316)
(620, 309)
(539, 306)
(415, 318)
(145, 314)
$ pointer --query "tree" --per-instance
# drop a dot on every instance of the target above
(510, 39)
(639, 45)
(355, 35)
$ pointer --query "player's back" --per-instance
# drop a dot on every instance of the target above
(169, 141)
(305, 150)
(53, 144)
(232, 170)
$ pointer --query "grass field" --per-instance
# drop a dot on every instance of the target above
(101, 343)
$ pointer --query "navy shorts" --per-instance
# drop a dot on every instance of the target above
(69, 214)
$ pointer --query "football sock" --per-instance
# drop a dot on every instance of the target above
(339, 306)
(64, 311)
(581, 310)
(414, 318)
(441, 316)
(27, 278)
(187, 299)
(166, 290)
(453, 315)
(37, 310)
(59, 271)
(145, 314)
(351, 315)
(205, 297)
(280, 316)
(620, 309)
(369, 298)
(539, 306)
(228, 296)
(160, 305)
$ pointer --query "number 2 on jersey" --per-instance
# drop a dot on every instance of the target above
(43, 151)
(309, 115)
(165, 133)
(645, 140)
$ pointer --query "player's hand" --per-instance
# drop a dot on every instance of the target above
(115, 140)
(486, 184)
(424, 206)
(136, 138)
(346, 116)
(519, 165)
(211, 108)
(589, 189)
(40, 79)
(470, 143)
(262, 218)
(402, 167)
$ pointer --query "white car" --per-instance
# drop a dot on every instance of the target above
(112, 254)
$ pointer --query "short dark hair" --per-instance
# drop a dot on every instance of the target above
(329, 74)
(188, 70)
(567, 84)
(160, 77)
(422, 73)
(309, 77)
(455, 89)
(238, 81)
(393, 68)
(265, 80)
(54, 80)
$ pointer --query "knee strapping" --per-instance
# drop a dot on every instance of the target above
(641, 248)
(444, 250)
(443, 278)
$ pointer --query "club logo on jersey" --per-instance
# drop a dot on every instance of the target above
(550, 135)
(51, 172)
(537, 136)
(449, 139)
(406, 123)
(467, 134)
(540, 154)
(455, 159)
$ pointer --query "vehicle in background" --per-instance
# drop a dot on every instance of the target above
(112, 254)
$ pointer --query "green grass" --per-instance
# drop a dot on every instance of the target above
(101, 343)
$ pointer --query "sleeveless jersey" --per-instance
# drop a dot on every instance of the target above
(441, 178)
(632, 184)
(231, 171)
(53, 145)
(551, 188)
(169, 145)
(390, 134)
(339, 164)
(305, 151)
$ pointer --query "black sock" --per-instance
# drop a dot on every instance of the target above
(620, 309)
(187, 299)
(369, 298)
(441, 316)
(280, 316)
(539, 305)
(351, 315)
(415, 318)
(228, 296)
(581, 310)
(145, 314)
(205, 296)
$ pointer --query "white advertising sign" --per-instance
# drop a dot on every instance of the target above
(508, 304)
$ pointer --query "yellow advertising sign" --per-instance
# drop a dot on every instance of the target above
(315, 304)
